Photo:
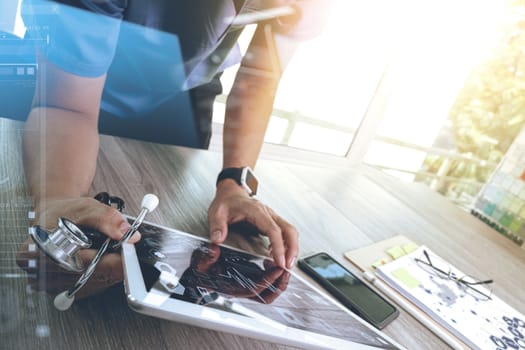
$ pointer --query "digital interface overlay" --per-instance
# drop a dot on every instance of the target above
(207, 272)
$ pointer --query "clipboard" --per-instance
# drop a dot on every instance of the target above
(368, 258)
(380, 253)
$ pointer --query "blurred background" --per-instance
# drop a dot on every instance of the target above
(426, 91)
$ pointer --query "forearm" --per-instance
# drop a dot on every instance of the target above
(249, 108)
(248, 111)
(250, 102)
(60, 151)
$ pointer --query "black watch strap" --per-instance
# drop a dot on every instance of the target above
(243, 176)
(230, 173)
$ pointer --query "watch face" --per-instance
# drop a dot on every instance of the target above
(251, 181)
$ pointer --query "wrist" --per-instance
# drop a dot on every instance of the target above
(243, 178)
(231, 186)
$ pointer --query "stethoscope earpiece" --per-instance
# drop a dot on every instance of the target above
(63, 301)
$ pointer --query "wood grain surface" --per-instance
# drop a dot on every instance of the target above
(335, 210)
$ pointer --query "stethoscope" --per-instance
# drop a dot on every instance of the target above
(62, 244)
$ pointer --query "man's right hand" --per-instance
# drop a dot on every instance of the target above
(44, 274)
(83, 211)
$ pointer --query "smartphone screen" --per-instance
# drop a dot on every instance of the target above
(349, 290)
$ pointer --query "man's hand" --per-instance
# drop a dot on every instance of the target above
(83, 211)
(232, 204)
(248, 111)
(49, 276)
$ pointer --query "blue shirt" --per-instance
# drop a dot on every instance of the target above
(161, 48)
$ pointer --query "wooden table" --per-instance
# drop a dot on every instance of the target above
(335, 209)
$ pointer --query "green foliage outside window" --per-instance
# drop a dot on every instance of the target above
(489, 111)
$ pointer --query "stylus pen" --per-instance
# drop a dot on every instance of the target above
(414, 311)
(238, 308)
(261, 15)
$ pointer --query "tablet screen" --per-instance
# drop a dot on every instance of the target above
(218, 276)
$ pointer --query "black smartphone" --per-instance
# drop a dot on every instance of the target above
(349, 289)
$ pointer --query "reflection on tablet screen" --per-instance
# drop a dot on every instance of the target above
(197, 271)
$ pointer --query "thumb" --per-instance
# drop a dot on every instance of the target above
(105, 219)
(217, 220)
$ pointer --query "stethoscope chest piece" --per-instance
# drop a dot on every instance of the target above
(67, 239)
(62, 244)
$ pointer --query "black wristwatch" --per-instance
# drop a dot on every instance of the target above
(243, 176)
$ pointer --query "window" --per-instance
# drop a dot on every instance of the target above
(426, 91)
(327, 86)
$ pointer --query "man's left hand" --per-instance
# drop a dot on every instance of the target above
(232, 204)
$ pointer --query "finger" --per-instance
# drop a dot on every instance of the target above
(54, 279)
(291, 238)
(103, 218)
(85, 211)
(109, 267)
(26, 251)
(135, 237)
(107, 273)
(52, 283)
(41, 264)
(58, 283)
(261, 218)
(50, 277)
(33, 260)
(218, 223)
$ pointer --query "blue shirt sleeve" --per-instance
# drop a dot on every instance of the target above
(80, 40)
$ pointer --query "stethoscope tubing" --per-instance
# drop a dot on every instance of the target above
(89, 270)
(92, 266)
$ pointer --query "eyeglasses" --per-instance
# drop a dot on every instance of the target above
(467, 283)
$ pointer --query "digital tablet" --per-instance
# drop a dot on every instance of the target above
(181, 277)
